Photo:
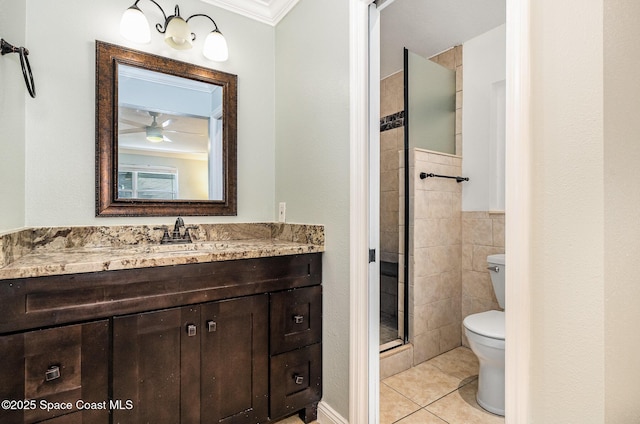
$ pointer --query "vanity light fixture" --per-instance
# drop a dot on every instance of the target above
(134, 26)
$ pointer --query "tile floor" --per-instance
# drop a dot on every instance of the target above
(294, 420)
(441, 390)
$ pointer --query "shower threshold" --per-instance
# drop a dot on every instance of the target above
(390, 345)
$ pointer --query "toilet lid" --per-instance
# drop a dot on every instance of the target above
(488, 324)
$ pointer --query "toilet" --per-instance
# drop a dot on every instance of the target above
(485, 332)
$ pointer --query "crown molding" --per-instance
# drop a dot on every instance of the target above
(266, 11)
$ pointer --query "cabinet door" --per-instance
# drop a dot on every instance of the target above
(156, 366)
(66, 365)
(234, 361)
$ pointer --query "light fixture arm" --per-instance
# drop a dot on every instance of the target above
(205, 16)
(160, 27)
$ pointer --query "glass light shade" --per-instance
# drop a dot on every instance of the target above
(178, 34)
(215, 47)
(134, 25)
(154, 134)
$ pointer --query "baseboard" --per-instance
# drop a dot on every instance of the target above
(328, 415)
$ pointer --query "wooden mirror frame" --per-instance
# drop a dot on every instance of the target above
(108, 56)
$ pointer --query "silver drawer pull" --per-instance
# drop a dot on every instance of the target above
(191, 330)
(211, 326)
(298, 379)
(298, 319)
(53, 373)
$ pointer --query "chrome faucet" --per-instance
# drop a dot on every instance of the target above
(176, 237)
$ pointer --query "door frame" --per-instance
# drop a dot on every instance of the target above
(364, 384)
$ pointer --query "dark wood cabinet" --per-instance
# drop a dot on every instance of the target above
(45, 373)
(151, 365)
(296, 382)
(234, 361)
(204, 363)
(235, 342)
(296, 352)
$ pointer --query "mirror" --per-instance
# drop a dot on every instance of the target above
(165, 136)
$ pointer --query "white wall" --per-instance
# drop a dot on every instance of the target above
(484, 64)
(621, 208)
(13, 95)
(312, 160)
(60, 153)
(568, 203)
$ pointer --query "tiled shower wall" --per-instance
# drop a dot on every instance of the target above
(440, 296)
(452, 59)
(435, 263)
(391, 141)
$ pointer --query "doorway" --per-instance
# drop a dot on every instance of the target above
(421, 122)
(364, 301)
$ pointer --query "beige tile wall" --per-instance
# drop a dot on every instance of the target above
(452, 59)
(448, 272)
(482, 235)
(391, 141)
(435, 283)
(392, 94)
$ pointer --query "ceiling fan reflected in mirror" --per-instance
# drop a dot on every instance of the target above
(155, 132)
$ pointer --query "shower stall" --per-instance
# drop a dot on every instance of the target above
(419, 127)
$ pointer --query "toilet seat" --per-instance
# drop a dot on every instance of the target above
(486, 324)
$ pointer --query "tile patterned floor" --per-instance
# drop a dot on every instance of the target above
(294, 420)
(439, 391)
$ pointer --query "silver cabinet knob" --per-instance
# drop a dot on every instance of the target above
(298, 319)
(212, 326)
(191, 330)
(298, 379)
(52, 373)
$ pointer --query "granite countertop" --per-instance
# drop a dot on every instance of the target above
(57, 251)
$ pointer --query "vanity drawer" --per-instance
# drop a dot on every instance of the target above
(73, 418)
(296, 319)
(296, 380)
(61, 365)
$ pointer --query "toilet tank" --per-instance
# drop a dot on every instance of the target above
(496, 270)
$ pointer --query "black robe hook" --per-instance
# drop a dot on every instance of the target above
(24, 63)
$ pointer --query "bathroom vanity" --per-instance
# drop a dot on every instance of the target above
(221, 331)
